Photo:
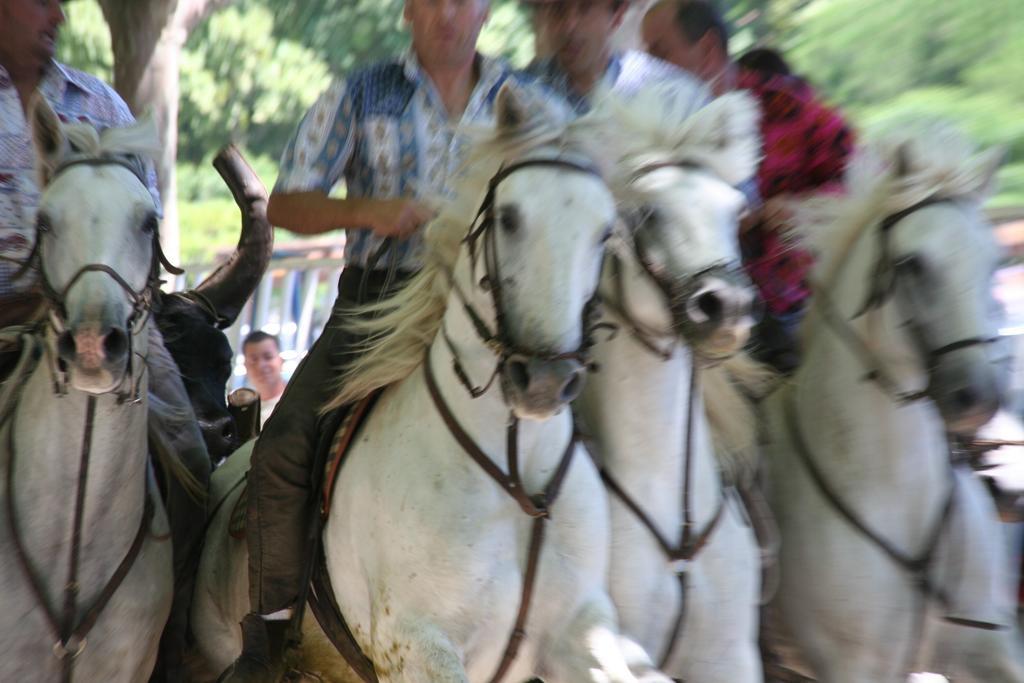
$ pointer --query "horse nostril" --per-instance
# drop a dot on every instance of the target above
(964, 398)
(66, 346)
(518, 374)
(115, 344)
(573, 387)
(706, 306)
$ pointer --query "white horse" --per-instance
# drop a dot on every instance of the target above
(85, 558)
(685, 570)
(429, 549)
(892, 560)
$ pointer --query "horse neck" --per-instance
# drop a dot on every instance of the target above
(485, 418)
(638, 409)
(49, 436)
(859, 435)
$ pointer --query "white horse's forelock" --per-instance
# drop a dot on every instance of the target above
(662, 123)
(400, 328)
(888, 176)
(139, 139)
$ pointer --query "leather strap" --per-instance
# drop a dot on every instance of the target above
(689, 546)
(538, 506)
(72, 632)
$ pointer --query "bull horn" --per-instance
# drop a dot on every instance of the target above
(228, 287)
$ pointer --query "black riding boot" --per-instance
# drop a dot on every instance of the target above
(264, 644)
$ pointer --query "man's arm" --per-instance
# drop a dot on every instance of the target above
(313, 212)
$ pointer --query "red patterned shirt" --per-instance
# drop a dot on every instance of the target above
(806, 148)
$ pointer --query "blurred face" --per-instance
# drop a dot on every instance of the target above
(444, 32)
(578, 32)
(28, 33)
(667, 42)
(263, 364)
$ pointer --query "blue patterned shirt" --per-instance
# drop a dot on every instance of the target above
(626, 73)
(76, 97)
(385, 131)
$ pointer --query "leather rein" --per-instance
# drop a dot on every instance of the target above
(537, 506)
(70, 628)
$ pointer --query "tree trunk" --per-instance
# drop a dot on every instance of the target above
(147, 37)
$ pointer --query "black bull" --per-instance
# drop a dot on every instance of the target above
(192, 322)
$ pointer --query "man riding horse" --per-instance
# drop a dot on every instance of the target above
(390, 131)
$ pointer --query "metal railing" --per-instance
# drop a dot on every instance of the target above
(293, 302)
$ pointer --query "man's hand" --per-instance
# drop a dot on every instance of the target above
(398, 217)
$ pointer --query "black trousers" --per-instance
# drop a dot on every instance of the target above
(281, 480)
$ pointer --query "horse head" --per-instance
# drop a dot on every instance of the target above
(677, 183)
(97, 245)
(532, 264)
(919, 275)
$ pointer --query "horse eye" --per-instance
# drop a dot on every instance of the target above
(508, 219)
(911, 264)
(43, 223)
(606, 235)
(149, 226)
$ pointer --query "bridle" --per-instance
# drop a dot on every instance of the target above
(885, 275)
(141, 299)
(482, 244)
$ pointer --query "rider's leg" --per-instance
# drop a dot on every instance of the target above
(281, 480)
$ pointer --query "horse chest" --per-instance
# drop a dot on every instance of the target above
(440, 543)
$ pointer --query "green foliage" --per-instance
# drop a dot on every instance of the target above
(888, 63)
(240, 85)
(85, 40)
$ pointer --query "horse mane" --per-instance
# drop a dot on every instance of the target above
(399, 329)
(731, 391)
(892, 174)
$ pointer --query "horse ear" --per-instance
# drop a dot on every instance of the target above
(509, 110)
(727, 130)
(48, 137)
